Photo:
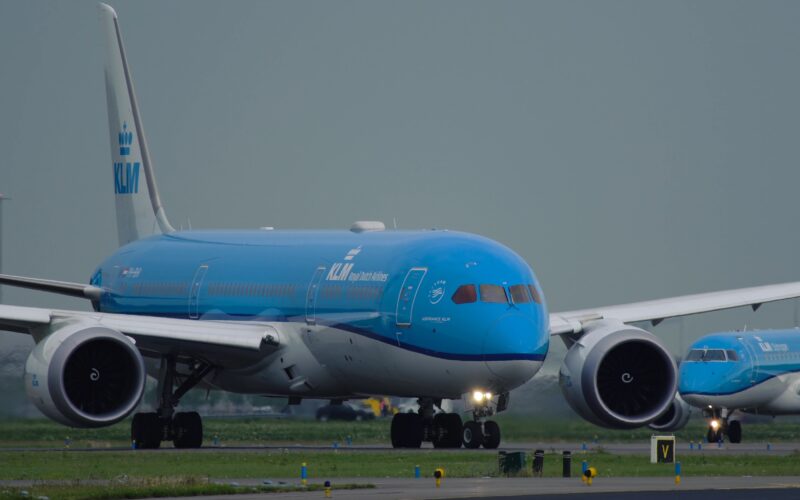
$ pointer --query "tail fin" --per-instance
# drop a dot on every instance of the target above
(139, 210)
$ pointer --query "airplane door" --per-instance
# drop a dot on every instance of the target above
(408, 293)
(194, 291)
(752, 362)
(311, 296)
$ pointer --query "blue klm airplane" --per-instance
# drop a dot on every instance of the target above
(730, 373)
(433, 315)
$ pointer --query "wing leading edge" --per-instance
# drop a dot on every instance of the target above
(655, 311)
(220, 342)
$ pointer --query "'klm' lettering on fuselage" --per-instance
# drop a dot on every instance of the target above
(339, 271)
(126, 177)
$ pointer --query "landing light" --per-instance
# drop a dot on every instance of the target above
(480, 396)
(715, 424)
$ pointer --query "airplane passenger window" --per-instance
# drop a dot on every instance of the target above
(535, 294)
(732, 356)
(465, 294)
(519, 294)
(493, 293)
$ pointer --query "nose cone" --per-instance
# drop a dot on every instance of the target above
(699, 380)
(515, 347)
(691, 384)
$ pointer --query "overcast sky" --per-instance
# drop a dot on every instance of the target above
(628, 150)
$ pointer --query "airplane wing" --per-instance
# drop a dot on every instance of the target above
(222, 343)
(63, 287)
(655, 311)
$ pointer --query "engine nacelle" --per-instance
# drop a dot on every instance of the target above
(675, 418)
(85, 375)
(618, 376)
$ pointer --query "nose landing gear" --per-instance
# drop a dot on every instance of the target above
(720, 425)
(480, 431)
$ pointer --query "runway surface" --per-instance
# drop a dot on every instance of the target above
(728, 488)
(683, 448)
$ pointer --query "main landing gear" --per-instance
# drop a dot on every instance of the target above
(409, 430)
(184, 429)
(446, 430)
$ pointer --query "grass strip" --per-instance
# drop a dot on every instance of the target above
(323, 465)
(17, 433)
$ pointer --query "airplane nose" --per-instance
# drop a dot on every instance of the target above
(514, 335)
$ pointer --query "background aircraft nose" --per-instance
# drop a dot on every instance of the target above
(513, 334)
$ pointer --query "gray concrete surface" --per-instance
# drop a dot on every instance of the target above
(390, 489)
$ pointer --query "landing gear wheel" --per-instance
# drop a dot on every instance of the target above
(439, 438)
(414, 431)
(446, 430)
(472, 435)
(454, 427)
(491, 435)
(146, 431)
(187, 430)
(735, 431)
(406, 430)
(398, 429)
(713, 436)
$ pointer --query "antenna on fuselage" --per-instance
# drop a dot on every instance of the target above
(394, 224)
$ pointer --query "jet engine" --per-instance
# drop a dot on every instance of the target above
(675, 418)
(85, 375)
(618, 376)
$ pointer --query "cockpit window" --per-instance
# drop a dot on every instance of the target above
(706, 355)
(535, 294)
(732, 356)
(519, 294)
(493, 293)
(465, 294)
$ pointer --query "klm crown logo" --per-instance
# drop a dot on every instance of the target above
(125, 140)
(126, 173)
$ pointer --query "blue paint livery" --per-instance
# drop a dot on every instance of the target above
(762, 355)
(345, 279)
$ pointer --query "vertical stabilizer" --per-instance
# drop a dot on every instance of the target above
(139, 210)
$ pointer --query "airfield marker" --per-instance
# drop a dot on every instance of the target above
(417, 473)
(588, 475)
(677, 473)
(438, 474)
(304, 474)
(327, 489)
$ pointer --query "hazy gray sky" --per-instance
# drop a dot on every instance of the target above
(627, 150)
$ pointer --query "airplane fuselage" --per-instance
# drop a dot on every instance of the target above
(756, 372)
(375, 312)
